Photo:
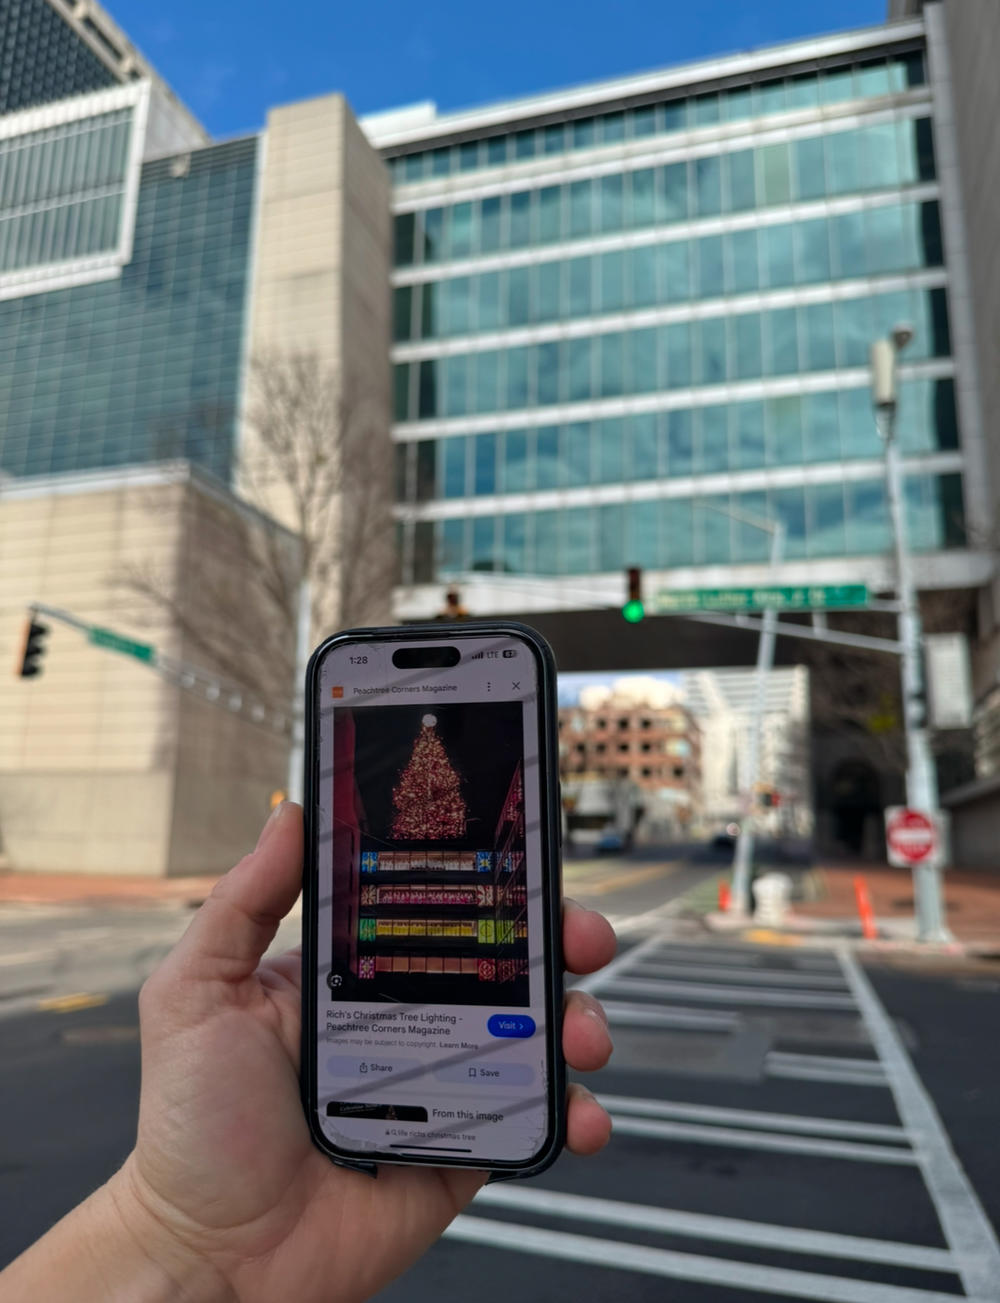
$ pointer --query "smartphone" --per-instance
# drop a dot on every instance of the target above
(432, 962)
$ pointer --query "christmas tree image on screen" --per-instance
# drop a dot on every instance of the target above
(429, 875)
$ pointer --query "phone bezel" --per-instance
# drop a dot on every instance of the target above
(551, 894)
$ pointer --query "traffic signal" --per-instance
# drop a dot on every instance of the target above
(35, 634)
(633, 610)
(453, 608)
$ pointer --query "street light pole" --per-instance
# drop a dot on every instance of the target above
(739, 900)
(921, 775)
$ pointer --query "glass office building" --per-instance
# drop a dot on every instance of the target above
(123, 289)
(42, 57)
(628, 316)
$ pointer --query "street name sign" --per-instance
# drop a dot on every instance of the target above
(142, 651)
(803, 597)
(912, 836)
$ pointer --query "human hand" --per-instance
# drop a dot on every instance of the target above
(225, 1188)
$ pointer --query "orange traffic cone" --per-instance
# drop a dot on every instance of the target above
(868, 929)
(725, 895)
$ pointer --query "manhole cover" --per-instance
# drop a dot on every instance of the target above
(99, 1035)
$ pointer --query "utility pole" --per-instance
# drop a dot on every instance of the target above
(921, 775)
(739, 900)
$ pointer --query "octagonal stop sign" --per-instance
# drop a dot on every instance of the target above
(912, 836)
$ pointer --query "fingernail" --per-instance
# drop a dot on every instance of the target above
(269, 827)
(596, 1010)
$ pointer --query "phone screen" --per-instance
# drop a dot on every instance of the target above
(431, 981)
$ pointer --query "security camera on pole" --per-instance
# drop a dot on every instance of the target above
(921, 776)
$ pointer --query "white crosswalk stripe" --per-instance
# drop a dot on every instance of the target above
(723, 992)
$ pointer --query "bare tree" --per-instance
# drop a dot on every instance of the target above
(859, 692)
(316, 458)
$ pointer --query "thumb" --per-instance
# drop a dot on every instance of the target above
(236, 924)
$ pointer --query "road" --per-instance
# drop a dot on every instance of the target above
(789, 1123)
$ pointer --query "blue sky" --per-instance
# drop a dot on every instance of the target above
(230, 59)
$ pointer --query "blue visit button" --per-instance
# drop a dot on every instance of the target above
(511, 1024)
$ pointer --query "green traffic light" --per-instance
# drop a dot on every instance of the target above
(633, 611)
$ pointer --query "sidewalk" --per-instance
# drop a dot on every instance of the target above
(109, 889)
(972, 902)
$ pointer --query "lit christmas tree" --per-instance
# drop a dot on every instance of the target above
(428, 797)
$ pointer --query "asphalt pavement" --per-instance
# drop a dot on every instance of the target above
(788, 1121)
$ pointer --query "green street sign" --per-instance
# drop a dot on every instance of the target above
(807, 597)
(142, 651)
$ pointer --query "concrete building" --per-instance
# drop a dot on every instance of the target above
(104, 765)
(158, 290)
(639, 731)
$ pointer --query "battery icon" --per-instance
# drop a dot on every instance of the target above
(509, 652)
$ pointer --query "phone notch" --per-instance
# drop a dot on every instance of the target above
(425, 658)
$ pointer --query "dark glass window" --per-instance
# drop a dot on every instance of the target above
(453, 467)
(674, 200)
(612, 128)
(584, 133)
(708, 186)
(427, 390)
(402, 312)
(612, 191)
(550, 207)
(520, 219)
(554, 139)
(525, 143)
(490, 229)
(403, 239)
(485, 464)
(741, 180)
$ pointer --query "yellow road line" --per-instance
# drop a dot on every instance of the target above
(615, 881)
(70, 1003)
(766, 937)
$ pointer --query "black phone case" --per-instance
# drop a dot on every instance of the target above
(551, 874)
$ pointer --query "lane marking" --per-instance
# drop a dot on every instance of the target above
(788, 1059)
(685, 1266)
(604, 886)
(730, 994)
(70, 1003)
(25, 957)
(804, 981)
(618, 965)
(728, 1230)
(828, 1075)
(681, 951)
(733, 1137)
(786, 1122)
(963, 1220)
(637, 1015)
